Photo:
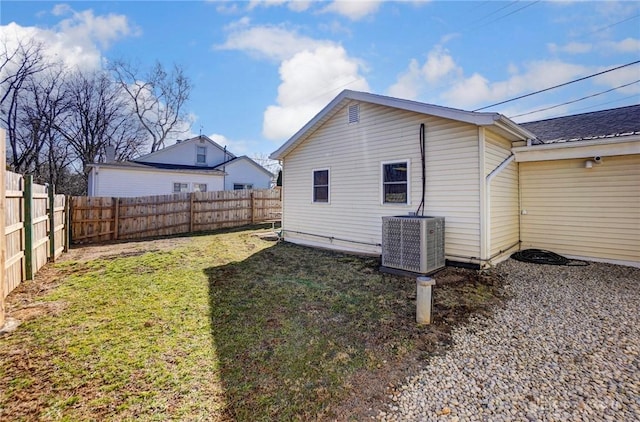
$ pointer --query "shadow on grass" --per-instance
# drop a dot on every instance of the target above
(299, 332)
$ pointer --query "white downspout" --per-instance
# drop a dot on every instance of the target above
(488, 181)
(94, 184)
(484, 222)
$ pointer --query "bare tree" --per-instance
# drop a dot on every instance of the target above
(97, 115)
(158, 98)
(45, 107)
(263, 159)
(19, 65)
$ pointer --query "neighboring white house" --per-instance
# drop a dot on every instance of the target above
(193, 165)
(360, 159)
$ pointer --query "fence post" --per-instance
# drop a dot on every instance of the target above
(28, 226)
(116, 217)
(253, 208)
(3, 246)
(67, 222)
(191, 211)
(52, 226)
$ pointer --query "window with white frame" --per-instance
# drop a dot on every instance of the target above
(242, 186)
(395, 182)
(199, 187)
(180, 187)
(201, 155)
(321, 186)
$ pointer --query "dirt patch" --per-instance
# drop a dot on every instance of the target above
(458, 294)
(34, 310)
(84, 253)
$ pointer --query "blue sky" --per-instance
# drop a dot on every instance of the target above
(262, 69)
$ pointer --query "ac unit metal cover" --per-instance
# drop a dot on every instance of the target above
(413, 243)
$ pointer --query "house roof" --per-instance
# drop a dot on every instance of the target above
(137, 165)
(241, 158)
(603, 124)
(180, 143)
(504, 124)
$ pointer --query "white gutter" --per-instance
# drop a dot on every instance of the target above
(626, 145)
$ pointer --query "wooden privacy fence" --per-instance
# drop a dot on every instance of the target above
(100, 219)
(35, 228)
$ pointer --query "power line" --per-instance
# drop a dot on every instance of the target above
(495, 11)
(605, 103)
(558, 86)
(574, 101)
(509, 14)
(612, 25)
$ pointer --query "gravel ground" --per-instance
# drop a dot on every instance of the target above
(566, 347)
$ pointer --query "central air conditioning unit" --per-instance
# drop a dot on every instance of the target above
(413, 243)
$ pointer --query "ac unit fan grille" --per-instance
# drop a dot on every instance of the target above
(414, 244)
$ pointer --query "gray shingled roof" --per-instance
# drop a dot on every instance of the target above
(158, 166)
(615, 122)
(166, 166)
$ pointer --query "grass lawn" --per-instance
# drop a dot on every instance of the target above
(224, 326)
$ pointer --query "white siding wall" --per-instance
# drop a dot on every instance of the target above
(584, 212)
(504, 195)
(185, 154)
(242, 171)
(128, 183)
(354, 153)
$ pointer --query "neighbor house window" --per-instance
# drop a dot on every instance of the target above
(321, 185)
(395, 182)
(199, 187)
(180, 187)
(242, 186)
(201, 155)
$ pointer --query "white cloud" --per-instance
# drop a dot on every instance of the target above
(473, 90)
(628, 45)
(101, 29)
(271, 42)
(476, 89)
(409, 83)
(310, 80)
(619, 77)
(299, 5)
(416, 79)
(571, 48)
(312, 72)
(295, 5)
(234, 147)
(61, 9)
(76, 41)
(352, 9)
(225, 8)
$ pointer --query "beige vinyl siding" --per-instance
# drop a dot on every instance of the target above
(584, 212)
(504, 230)
(354, 152)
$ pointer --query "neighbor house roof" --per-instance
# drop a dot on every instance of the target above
(135, 165)
(506, 125)
(234, 160)
(604, 124)
(180, 143)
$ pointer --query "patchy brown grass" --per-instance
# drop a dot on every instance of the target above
(221, 327)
